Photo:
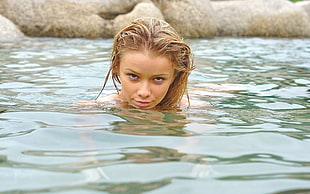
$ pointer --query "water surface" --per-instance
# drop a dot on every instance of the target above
(254, 139)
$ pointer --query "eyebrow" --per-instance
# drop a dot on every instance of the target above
(163, 74)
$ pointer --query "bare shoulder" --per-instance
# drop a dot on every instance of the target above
(111, 99)
(193, 103)
(199, 104)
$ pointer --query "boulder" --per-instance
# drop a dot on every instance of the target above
(109, 9)
(276, 18)
(191, 18)
(8, 31)
(141, 9)
(305, 5)
(74, 18)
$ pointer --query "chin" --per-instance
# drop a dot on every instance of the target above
(142, 107)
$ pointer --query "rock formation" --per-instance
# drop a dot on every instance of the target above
(276, 18)
(74, 18)
(8, 31)
(305, 5)
(191, 18)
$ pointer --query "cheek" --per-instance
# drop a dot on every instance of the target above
(124, 85)
(165, 88)
(127, 88)
(162, 90)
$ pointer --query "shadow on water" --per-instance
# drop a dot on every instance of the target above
(138, 122)
(131, 122)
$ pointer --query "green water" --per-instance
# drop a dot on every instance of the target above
(254, 139)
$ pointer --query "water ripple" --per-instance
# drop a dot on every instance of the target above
(255, 134)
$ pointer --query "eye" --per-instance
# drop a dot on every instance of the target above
(132, 76)
(159, 79)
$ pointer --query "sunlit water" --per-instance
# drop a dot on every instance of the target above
(254, 139)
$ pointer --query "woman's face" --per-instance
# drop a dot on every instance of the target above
(145, 78)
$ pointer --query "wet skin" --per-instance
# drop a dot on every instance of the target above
(145, 78)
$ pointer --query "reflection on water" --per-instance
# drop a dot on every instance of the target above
(254, 139)
(138, 122)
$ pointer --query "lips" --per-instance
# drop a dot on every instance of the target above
(142, 103)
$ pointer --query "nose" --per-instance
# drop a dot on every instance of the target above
(144, 90)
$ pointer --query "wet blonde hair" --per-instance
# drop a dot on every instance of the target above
(156, 36)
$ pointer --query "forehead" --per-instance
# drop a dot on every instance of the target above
(146, 61)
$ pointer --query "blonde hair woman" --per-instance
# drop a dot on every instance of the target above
(152, 63)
